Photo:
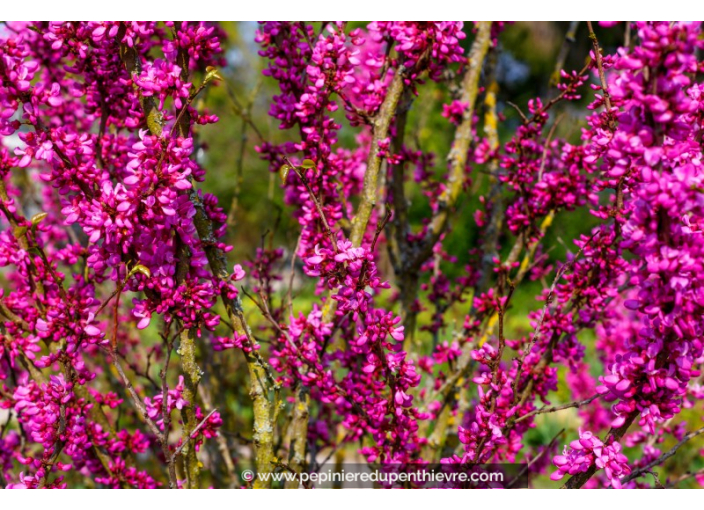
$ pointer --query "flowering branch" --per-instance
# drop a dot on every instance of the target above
(381, 123)
(662, 458)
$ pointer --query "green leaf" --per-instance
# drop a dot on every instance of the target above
(38, 218)
(283, 172)
(139, 268)
(212, 73)
(308, 163)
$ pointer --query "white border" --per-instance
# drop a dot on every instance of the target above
(338, 500)
(357, 9)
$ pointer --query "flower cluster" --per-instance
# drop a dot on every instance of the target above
(107, 130)
(589, 450)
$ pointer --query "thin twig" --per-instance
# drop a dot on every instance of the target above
(192, 435)
(635, 474)
(684, 477)
(136, 399)
(519, 111)
(315, 200)
(602, 76)
(553, 409)
(535, 459)
(546, 147)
